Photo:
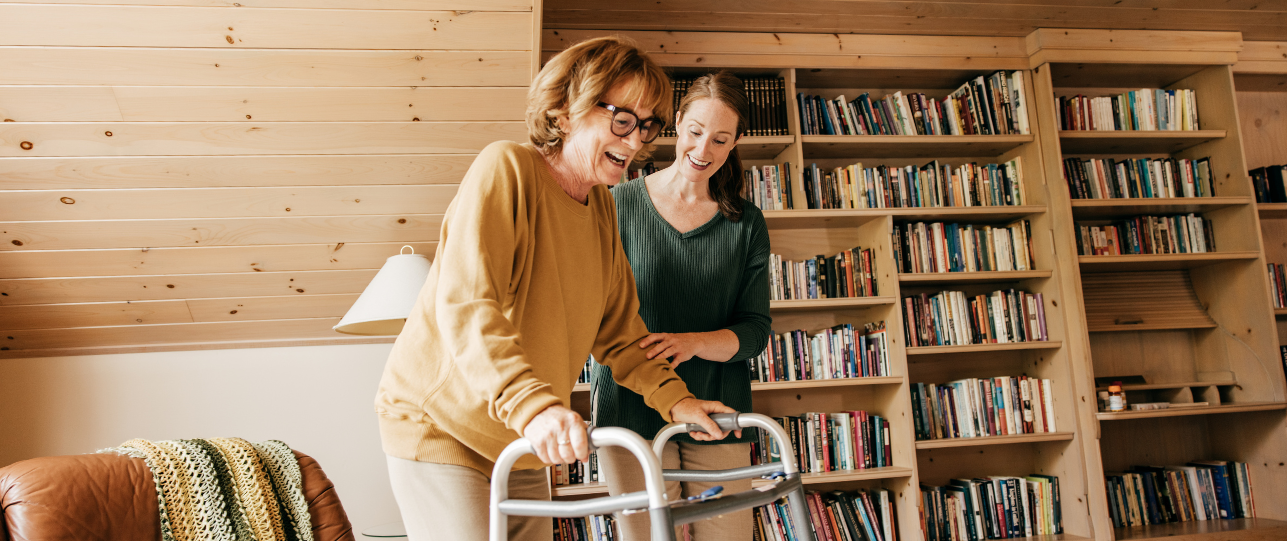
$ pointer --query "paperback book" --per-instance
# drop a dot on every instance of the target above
(975, 408)
(931, 185)
(923, 247)
(950, 318)
(843, 351)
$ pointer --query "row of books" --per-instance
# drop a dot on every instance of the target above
(851, 273)
(1270, 183)
(1138, 178)
(931, 185)
(636, 174)
(851, 516)
(766, 112)
(953, 247)
(1176, 234)
(976, 408)
(1278, 285)
(843, 351)
(1202, 490)
(769, 187)
(1144, 109)
(823, 442)
(992, 105)
(992, 508)
(577, 473)
(950, 318)
(591, 528)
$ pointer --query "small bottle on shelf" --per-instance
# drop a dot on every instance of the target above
(1116, 398)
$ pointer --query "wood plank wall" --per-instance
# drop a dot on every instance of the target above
(180, 174)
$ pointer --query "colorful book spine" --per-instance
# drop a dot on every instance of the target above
(1138, 178)
(843, 351)
(929, 186)
(1137, 110)
(1174, 234)
(848, 274)
(1200, 490)
(769, 187)
(991, 508)
(933, 247)
(976, 408)
(950, 318)
(825, 442)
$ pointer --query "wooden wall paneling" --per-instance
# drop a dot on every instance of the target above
(66, 235)
(1077, 344)
(262, 28)
(194, 333)
(265, 308)
(171, 203)
(134, 66)
(1263, 116)
(203, 259)
(414, 5)
(259, 104)
(231, 171)
(100, 289)
(49, 139)
(942, 18)
(1268, 57)
(53, 316)
(222, 156)
(127, 313)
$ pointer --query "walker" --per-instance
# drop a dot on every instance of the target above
(665, 515)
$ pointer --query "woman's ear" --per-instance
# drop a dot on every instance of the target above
(562, 122)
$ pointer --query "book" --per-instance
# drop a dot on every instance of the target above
(1144, 109)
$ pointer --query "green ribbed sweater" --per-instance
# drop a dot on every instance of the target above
(713, 277)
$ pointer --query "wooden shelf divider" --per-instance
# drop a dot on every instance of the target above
(1192, 410)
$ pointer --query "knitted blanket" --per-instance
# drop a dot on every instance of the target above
(225, 489)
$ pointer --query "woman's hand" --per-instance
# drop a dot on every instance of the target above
(678, 347)
(558, 436)
(692, 410)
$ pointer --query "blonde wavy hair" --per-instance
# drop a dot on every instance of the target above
(575, 81)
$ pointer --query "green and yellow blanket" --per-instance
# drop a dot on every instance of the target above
(225, 489)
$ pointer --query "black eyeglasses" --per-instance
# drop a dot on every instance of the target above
(624, 121)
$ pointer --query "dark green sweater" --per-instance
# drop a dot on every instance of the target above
(713, 277)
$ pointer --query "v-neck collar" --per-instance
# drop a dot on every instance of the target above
(670, 227)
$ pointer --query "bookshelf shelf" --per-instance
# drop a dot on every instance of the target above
(977, 348)
(806, 384)
(822, 383)
(1272, 211)
(844, 476)
(1092, 209)
(583, 489)
(994, 440)
(1151, 386)
(1155, 262)
(1192, 410)
(911, 146)
(970, 277)
(750, 148)
(1280, 312)
(1241, 529)
(1134, 142)
(812, 305)
(826, 218)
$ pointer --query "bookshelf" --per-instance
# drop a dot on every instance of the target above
(1195, 325)
(1206, 334)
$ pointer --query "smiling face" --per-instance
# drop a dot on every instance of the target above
(591, 152)
(707, 133)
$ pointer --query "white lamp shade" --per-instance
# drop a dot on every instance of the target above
(386, 302)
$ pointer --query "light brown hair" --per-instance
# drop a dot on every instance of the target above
(575, 81)
(726, 184)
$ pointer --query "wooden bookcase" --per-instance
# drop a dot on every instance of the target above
(1206, 332)
(1195, 325)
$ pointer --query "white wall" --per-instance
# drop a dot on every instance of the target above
(316, 399)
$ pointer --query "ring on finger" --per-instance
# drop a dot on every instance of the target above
(563, 442)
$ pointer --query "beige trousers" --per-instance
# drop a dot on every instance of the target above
(624, 475)
(443, 501)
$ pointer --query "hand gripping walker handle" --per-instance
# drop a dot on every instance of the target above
(654, 498)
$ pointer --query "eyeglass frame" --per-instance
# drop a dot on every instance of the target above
(638, 124)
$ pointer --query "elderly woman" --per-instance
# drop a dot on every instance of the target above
(529, 280)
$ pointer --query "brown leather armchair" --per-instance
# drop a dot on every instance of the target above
(112, 497)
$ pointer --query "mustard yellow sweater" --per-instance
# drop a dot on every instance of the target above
(526, 284)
